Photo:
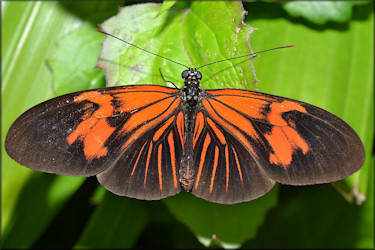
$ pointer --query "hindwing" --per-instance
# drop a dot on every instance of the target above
(225, 170)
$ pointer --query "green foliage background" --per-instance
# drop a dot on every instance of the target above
(50, 48)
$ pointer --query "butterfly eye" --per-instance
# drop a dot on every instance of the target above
(185, 74)
(199, 75)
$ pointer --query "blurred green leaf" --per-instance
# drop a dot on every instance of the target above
(228, 225)
(38, 202)
(116, 223)
(316, 217)
(320, 12)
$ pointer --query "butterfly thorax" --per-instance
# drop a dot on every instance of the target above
(192, 90)
(192, 96)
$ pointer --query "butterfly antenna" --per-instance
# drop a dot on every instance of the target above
(140, 48)
(253, 54)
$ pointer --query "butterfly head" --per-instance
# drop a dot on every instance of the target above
(192, 78)
(191, 75)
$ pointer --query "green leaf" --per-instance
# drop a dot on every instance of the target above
(320, 12)
(225, 225)
(316, 217)
(37, 204)
(166, 6)
(76, 71)
(178, 36)
(116, 223)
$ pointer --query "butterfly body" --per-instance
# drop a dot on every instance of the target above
(191, 94)
(149, 142)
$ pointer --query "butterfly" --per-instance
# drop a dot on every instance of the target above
(150, 142)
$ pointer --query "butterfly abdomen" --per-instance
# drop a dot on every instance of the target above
(187, 172)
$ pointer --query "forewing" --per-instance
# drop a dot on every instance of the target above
(83, 133)
(225, 171)
(293, 142)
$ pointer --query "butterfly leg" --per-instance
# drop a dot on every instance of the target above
(166, 80)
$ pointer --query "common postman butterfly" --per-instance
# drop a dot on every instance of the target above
(149, 142)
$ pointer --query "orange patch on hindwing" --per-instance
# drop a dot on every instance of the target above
(162, 129)
(173, 158)
(206, 143)
(217, 131)
(213, 173)
(199, 124)
(160, 149)
(180, 121)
